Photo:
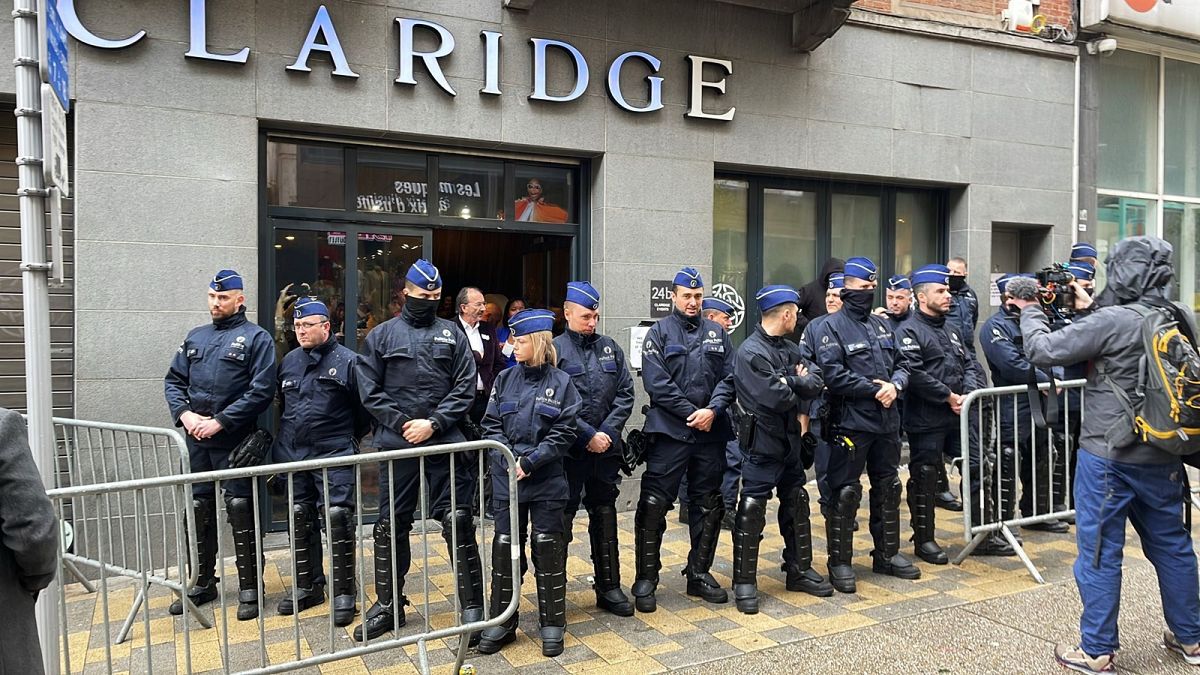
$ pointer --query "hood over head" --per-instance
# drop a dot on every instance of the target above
(1139, 266)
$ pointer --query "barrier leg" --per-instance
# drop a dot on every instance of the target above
(133, 611)
(87, 585)
(1012, 541)
(970, 547)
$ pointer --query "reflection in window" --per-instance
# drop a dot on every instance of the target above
(1180, 222)
(308, 263)
(1182, 121)
(543, 195)
(916, 231)
(300, 174)
(730, 199)
(855, 225)
(789, 237)
(1128, 122)
(392, 181)
(470, 188)
(1120, 217)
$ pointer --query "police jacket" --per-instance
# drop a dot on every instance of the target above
(226, 370)
(897, 319)
(598, 371)
(319, 406)
(768, 388)
(409, 371)
(964, 314)
(938, 365)
(853, 350)
(533, 410)
(687, 365)
(1004, 349)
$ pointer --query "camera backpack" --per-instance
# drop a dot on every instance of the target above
(1166, 410)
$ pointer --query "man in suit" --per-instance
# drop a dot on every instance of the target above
(28, 547)
(489, 358)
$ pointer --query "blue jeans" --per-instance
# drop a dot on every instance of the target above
(1151, 496)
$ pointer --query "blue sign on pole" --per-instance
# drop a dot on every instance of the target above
(56, 57)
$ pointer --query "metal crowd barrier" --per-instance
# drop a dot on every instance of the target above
(113, 547)
(1002, 455)
(101, 530)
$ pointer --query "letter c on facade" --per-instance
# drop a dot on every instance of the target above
(614, 82)
(70, 19)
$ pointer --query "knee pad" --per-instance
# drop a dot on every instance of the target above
(712, 502)
(752, 514)
(461, 520)
(653, 506)
(304, 517)
(239, 509)
(382, 531)
(848, 497)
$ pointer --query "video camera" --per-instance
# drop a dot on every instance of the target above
(1055, 292)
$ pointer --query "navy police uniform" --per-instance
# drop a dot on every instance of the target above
(417, 366)
(534, 410)
(320, 417)
(771, 394)
(598, 371)
(224, 370)
(687, 365)
(939, 365)
(817, 407)
(899, 282)
(854, 349)
(964, 311)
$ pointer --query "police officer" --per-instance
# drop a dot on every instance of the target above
(320, 416)
(1085, 253)
(417, 379)
(687, 369)
(221, 380)
(597, 369)
(964, 310)
(898, 295)
(774, 384)
(534, 410)
(864, 374)
(1003, 348)
(833, 304)
(941, 373)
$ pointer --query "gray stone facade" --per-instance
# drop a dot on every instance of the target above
(167, 164)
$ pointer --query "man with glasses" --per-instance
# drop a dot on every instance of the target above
(320, 416)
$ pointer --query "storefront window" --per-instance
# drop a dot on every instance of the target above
(543, 195)
(1181, 114)
(1120, 217)
(471, 188)
(730, 265)
(916, 231)
(1180, 222)
(1129, 122)
(305, 175)
(392, 181)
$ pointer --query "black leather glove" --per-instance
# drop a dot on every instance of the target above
(251, 451)
(808, 449)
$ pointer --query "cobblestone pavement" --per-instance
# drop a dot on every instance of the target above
(987, 615)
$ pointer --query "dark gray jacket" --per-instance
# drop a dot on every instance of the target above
(28, 547)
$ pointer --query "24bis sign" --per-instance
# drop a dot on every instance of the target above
(323, 37)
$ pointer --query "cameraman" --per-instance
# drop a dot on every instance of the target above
(1118, 477)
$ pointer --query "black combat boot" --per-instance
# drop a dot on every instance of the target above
(551, 576)
(492, 639)
(797, 539)
(602, 531)
(945, 499)
(464, 552)
(699, 582)
(204, 511)
(309, 592)
(886, 558)
(386, 614)
(245, 547)
(922, 482)
(839, 534)
(341, 547)
(648, 524)
(747, 533)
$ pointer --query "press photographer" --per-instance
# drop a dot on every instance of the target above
(1123, 474)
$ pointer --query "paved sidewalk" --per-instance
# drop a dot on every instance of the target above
(986, 616)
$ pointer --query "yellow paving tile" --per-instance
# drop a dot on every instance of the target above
(403, 668)
(697, 613)
(662, 648)
(757, 622)
(732, 633)
(877, 594)
(860, 606)
(523, 652)
(752, 643)
(610, 647)
(351, 666)
(665, 622)
(638, 666)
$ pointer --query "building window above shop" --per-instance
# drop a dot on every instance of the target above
(392, 181)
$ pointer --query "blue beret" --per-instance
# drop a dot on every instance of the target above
(424, 275)
(583, 294)
(861, 268)
(932, 274)
(529, 321)
(837, 280)
(899, 283)
(772, 296)
(226, 280)
(717, 305)
(1082, 270)
(689, 277)
(307, 306)
(1083, 250)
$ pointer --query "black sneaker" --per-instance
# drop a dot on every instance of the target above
(614, 602)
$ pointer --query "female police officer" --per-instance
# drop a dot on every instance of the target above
(533, 410)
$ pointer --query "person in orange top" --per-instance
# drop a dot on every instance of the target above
(533, 207)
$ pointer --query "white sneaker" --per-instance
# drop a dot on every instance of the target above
(1190, 653)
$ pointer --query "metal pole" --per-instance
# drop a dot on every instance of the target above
(35, 288)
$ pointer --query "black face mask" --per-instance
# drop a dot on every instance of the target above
(957, 283)
(420, 311)
(858, 302)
